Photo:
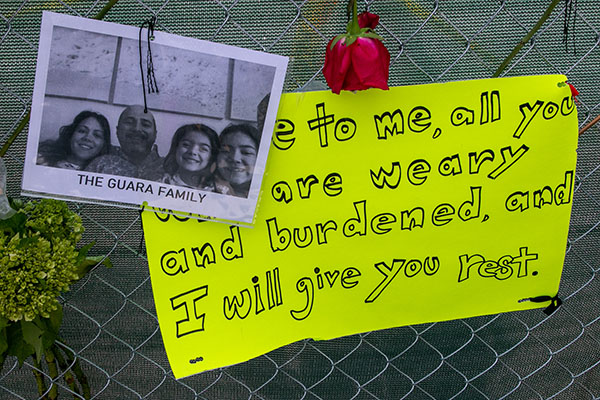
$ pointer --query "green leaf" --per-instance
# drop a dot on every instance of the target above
(4, 323)
(43, 284)
(3, 341)
(106, 261)
(83, 252)
(2, 358)
(51, 327)
(335, 40)
(16, 345)
(32, 335)
(14, 224)
(371, 35)
(26, 241)
(15, 204)
(55, 319)
(349, 26)
(351, 40)
(87, 264)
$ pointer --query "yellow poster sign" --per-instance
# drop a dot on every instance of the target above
(378, 209)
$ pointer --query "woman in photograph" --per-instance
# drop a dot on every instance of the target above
(236, 159)
(191, 156)
(78, 143)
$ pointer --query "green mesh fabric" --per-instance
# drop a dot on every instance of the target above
(110, 320)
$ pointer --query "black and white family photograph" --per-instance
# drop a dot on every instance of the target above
(123, 116)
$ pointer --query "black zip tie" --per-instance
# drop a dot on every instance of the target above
(570, 16)
(141, 249)
(152, 86)
(555, 302)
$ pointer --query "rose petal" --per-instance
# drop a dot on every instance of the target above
(337, 63)
(368, 20)
(370, 64)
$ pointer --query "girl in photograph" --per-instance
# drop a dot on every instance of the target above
(78, 143)
(192, 154)
(236, 159)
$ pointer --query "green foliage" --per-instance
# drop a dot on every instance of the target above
(38, 259)
(38, 262)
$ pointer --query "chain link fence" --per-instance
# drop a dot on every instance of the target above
(110, 322)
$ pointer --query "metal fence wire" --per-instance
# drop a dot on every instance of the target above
(110, 320)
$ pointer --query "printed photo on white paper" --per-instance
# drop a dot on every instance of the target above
(124, 118)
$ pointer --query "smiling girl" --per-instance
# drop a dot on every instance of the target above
(236, 159)
(191, 156)
(86, 138)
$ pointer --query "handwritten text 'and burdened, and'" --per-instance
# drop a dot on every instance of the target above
(262, 295)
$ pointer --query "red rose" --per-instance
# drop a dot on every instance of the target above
(362, 64)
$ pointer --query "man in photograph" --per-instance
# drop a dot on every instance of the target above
(137, 155)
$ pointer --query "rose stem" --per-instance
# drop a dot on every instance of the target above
(69, 378)
(526, 38)
(71, 359)
(39, 378)
(53, 369)
(15, 133)
(105, 9)
(25, 119)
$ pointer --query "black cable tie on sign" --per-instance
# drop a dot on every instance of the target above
(140, 251)
(569, 24)
(152, 86)
(555, 302)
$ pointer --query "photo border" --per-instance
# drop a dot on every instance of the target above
(84, 186)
